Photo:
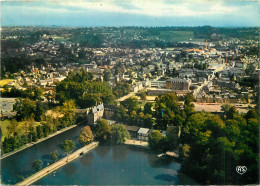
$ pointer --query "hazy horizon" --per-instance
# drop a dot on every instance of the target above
(115, 13)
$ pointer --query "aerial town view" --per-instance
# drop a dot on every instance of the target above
(130, 92)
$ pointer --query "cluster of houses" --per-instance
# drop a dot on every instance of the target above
(143, 67)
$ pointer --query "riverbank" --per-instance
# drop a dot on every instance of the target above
(144, 144)
(137, 143)
(30, 180)
(40, 140)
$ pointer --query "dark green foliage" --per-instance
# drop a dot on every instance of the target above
(27, 108)
(121, 89)
(46, 129)
(130, 104)
(154, 139)
(13, 142)
(142, 95)
(68, 146)
(120, 114)
(54, 156)
(39, 111)
(39, 132)
(79, 77)
(107, 75)
(84, 91)
(213, 147)
(37, 165)
(103, 130)
(13, 93)
(119, 134)
(248, 81)
(166, 108)
(148, 108)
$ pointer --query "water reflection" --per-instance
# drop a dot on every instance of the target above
(119, 152)
(70, 169)
(165, 177)
(185, 180)
(87, 159)
(123, 165)
(20, 164)
(103, 152)
(156, 161)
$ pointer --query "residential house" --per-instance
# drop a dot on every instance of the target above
(142, 134)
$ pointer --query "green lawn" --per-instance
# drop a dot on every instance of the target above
(176, 35)
(60, 39)
(5, 81)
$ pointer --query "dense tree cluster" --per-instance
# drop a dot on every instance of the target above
(213, 147)
(129, 113)
(103, 131)
(119, 134)
(33, 93)
(86, 92)
(28, 111)
(121, 89)
(27, 108)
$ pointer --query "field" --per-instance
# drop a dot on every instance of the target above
(5, 81)
(59, 39)
(176, 35)
(20, 130)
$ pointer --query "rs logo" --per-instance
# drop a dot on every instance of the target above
(241, 169)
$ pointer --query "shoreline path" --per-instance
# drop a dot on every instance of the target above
(38, 175)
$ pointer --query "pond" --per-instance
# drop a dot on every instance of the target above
(108, 165)
(118, 165)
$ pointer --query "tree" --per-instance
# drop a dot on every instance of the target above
(148, 121)
(103, 130)
(154, 139)
(229, 111)
(188, 105)
(25, 108)
(120, 114)
(68, 110)
(54, 156)
(39, 111)
(107, 75)
(28, 128)
(86, 136)
(172, 136)
(12, 128)
(142, 95)
(34, 93)
(39, 132)
(148, 108)
(68, 146)
(37, 165)
(130, 104)
(119, 134)
(166, 108)
(225, 108)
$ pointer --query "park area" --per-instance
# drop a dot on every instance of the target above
(6, 126)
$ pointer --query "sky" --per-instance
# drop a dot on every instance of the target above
(147, 13)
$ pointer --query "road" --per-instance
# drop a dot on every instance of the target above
(195, 93)
(128, 95)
